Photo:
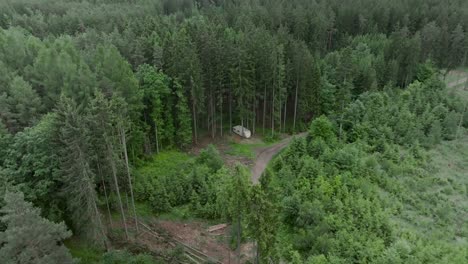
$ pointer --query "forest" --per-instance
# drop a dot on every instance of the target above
(115, 116)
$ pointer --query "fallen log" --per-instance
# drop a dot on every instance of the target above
(216, 227)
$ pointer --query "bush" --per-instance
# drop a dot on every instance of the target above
(271, 137)
(211, 158)
(322, 128)
(124, 257)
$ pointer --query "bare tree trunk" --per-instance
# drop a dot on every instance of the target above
(148, 140)
(280, 114)
(461, 121)
(230, 109)
(156, 134)
(195, 123)
(212, 115)
(295, 105)
(238, 233)
(264, 107)
(127, 203)
(273, 112)
(194, 112)
(105, 194)
(221, 116)
(253, 117)
(114, 174)
(104, 236)
(124, 144)
(285, 109)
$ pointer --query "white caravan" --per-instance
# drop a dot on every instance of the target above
(242, 131)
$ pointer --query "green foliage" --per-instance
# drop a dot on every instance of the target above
(161, 74)
(322, 128)
(124, 257)
(184, 126)
(83, 251)
(210, 156)
(450, 125)
(23, 105)
(262, 223)
(29, 238)
(75, 159)
(350, 200)
(37, 173)
(241, 150)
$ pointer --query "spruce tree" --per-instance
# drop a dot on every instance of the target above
(29, 238)
(183, 122)
(78, 177)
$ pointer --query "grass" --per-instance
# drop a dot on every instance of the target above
(82, 250)
(143, 209)
(165, 163)
(246, 150)
(241, 150)
(177, 213)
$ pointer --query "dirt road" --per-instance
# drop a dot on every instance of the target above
(264, 155)
(455, 83)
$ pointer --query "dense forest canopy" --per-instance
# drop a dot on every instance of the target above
(90, 90)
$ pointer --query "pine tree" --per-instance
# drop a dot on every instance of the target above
(237, 200)
(157, 112)
(22, 105)
(262, 224)
(186, 70)
(183, 126)
(77, 173)
(29, 238)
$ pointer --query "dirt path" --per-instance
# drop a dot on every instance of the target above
(264, 155)
(455, 83)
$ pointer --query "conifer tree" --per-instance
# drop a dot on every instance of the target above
(28, 237)
(22, 105)
(183, 126)
(77, 173)
(262, 224)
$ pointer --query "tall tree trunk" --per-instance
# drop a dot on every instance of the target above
(238, 232)
(156, 135)
(194, 112)
(264, 107)
(280, 114)
(195, 129)
(295, 105)
(221, 116)
(273, 112)
(213, 131)
(104, 236)
(105, 193)
(116, 182)
(254, 115)
(230, 109)
(461, 121)
(284, 118)
(147, 139)
(124, 145)
(91, 190)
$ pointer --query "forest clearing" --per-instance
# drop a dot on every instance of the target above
(233, 131)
